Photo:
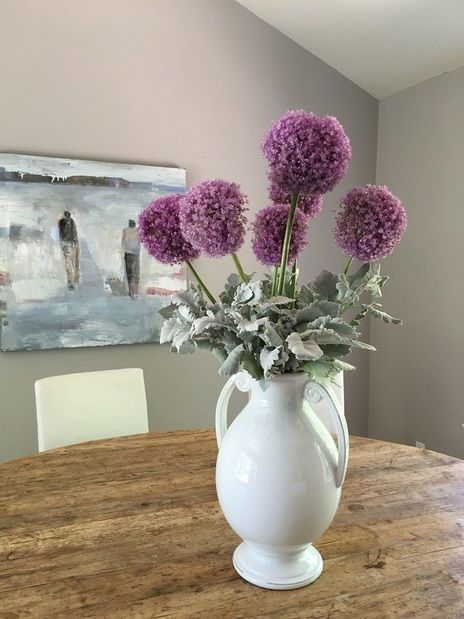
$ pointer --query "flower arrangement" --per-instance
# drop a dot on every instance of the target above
(272, 325)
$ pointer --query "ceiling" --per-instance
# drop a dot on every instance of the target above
(384, 46)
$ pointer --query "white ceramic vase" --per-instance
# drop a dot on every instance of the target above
(278, 477)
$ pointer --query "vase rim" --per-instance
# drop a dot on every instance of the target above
(288, 376)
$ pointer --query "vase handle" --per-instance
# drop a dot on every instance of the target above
(315, 392)
(241, 380)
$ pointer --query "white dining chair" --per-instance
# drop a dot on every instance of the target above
(74, 408)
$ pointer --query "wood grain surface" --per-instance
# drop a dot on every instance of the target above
(130, 527)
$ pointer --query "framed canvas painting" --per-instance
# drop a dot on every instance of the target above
(72, 271)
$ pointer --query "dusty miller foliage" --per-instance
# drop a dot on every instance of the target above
(248, 329)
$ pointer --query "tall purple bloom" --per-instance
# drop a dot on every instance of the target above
(309, 204)
(307, 154)
(370, 222)
(160, 234)
(269, 232)
(212, 217)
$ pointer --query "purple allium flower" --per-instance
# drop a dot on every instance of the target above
(309, 204)
(370, 222)
(269, 232)
(307, 154)
(159, 231)
(212, 217)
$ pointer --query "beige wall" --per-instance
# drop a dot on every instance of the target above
(416, 385)
(192, 83)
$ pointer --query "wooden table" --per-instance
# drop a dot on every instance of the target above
(130, 527)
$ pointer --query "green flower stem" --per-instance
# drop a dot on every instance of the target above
(275, 278)
(239, 268)
(201, 283)
(287, 238)
(293, 280)
(347, 265)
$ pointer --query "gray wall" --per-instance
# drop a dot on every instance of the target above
(193, 83)
(416, 385)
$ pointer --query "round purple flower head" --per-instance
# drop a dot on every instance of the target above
(307, 154)
(212, 217)
(159, 231)
(269, 231)
(370, 223)
(309, 204)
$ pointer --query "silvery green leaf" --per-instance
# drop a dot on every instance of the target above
(229, 340)
(363, 345)
(168, 310)
(243, 294)
(247, 337)
(344, 292)
(250, 365)
(318, 369)
(283, 358)
(307, 314)
(204, 343)
(257, 289)
(234, 315)
(316, 310)
(342, 328)
(381, 284)
(251, 325)
(356, 321)
(305, 296)
(343, 365)
(266, 286)
(375, 268)
(250, 293)
(322, 336)
(201, 324)
(358, 276)
(219, 353)
(373, 281)
(187, 347)
(186, 313)
(303, 349)
(232, 364)
(326, 330)
(383, 280)
(188, 297)
(377, 313)
(319, 323)
(336, 350)
(278, 300)
(292, 364)
(267, 357)
(233, 280)
(169, 329)
(207, 322)
(270, 336)
(373, 287)
(232, 283)
(183, 334)
(325, 285)
(275, 312)
(329, 308)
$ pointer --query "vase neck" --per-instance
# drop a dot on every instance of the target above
(286, 390)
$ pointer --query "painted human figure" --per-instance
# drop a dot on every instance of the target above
(70, 248)
(131, 251)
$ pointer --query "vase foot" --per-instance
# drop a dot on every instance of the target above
(274, 570)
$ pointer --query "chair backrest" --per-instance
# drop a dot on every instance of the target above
(74, 408)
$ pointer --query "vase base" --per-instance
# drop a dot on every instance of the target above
(277, 571)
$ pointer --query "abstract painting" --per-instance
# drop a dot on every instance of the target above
(72, 271)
